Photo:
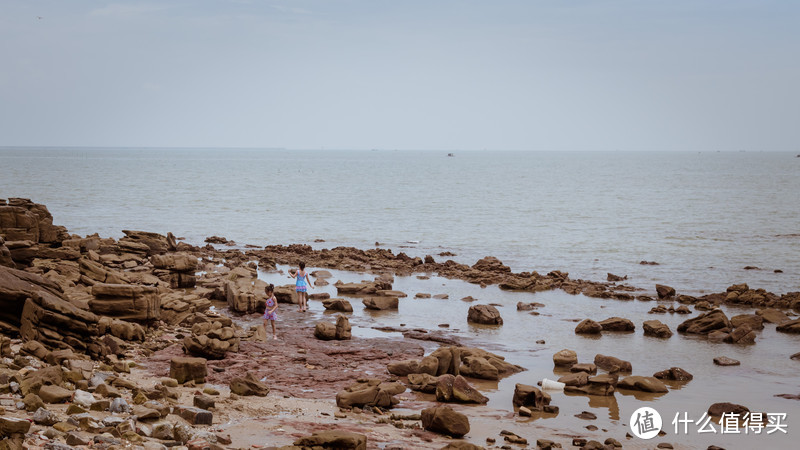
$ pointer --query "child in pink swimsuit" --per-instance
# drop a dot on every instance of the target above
(269, 312)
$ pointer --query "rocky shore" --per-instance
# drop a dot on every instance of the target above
(150, 342)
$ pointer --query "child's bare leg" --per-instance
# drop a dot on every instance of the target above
(274, 336)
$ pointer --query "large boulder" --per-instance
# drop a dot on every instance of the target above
(176, 268)
(23, 220)
(706, 323)
(484, 314)
(443, 419)
(126, 302)
(33, 307)
(244, 292)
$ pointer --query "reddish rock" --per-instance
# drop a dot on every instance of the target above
(793, 327)
(381, 303)
(565, 358)
(656, 328)
(484, 314)
(338, 439)
(674, 374)
(194, 415)
(451, 388)
(664, 291)
(337, 304)
(575, 379)
(611, 363)
(588, 326)
(186, 369)
(443, 419)
(741, 335)
(725, 361)
(754, 321)
(530, 396)
(705, 323)
(718, 409)
(617, 324)
(773, 315)
(645, 384)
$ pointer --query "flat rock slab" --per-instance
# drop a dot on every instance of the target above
(725, 361)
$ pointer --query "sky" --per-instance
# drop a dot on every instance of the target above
(689, 75)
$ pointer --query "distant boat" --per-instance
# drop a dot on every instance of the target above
(453, 154)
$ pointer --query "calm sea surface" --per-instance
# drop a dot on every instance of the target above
(702, 216)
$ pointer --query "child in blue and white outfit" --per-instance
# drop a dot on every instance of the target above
(301, 286)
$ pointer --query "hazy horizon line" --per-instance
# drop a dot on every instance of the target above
(168, 148)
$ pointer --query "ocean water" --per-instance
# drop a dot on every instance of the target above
(702, 216)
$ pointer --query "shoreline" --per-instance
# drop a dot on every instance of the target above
(182, 288)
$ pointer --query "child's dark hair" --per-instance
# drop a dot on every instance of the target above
(302, 265)
(270, 288)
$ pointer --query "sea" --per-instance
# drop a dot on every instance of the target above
(701, 217)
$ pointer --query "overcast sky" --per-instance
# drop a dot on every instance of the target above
(362, 74)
